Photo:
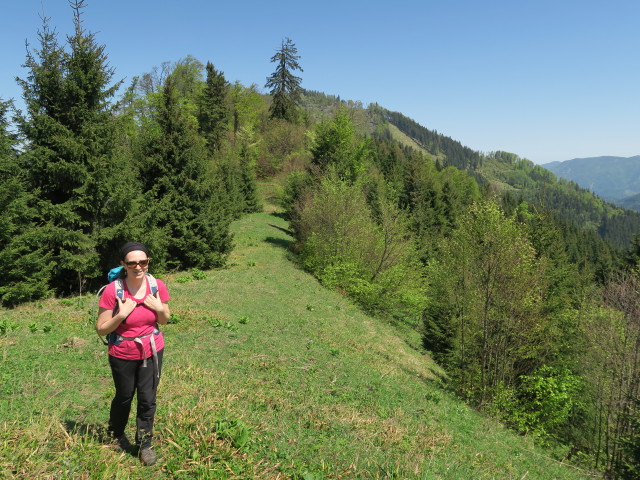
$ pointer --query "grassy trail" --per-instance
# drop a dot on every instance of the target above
(266, 375)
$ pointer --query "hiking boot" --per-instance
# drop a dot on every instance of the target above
(148, 456)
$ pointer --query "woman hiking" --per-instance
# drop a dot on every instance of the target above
(130, 309)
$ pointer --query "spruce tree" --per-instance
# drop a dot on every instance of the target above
(214, 110)
(284, 85)
(8, 140)
(248, 182)
(230, 176)
(42, 123)
(24, 263)
(186, 212)
(239, 178)
(632, 259)
(69, 140)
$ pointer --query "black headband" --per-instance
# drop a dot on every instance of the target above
(132, 246)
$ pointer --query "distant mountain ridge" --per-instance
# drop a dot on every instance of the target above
(612, 178)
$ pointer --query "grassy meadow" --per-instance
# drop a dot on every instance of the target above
(266, 375)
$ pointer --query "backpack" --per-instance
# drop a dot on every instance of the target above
(114, 275)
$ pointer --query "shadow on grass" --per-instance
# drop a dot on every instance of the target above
(285, 230)
(436, 379)
(279, 242)
(98, 433)
(95, 433)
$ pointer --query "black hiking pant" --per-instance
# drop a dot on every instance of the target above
(130, 376)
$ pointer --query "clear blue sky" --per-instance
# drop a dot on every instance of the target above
(547, 80)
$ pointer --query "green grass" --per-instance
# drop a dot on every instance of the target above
(266, 375)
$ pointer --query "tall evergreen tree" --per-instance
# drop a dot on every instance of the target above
(214, 110)
(632, 259)
(187, 212)
(284, 85)
(239, 178)
(104, 197)
(248, 184)
(8, 140)
(69, 139)
(230, 175)
(23, 262)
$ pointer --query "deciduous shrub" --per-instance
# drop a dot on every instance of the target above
(371, 259)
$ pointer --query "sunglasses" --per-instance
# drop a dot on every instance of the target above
(142, 263)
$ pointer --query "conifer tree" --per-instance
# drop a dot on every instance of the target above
(248, 184)
(284, 85)
(69, 139)
(230, 175)
(8, 139)
(23, 261)
(238, 174)
(186, 204)
(214, 111)
(632, 259)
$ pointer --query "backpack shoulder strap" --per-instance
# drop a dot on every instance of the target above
(119, 289)
(153, 283)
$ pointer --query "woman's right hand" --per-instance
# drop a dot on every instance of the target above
(126, 307)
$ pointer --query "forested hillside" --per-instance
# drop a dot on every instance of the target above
(501, 172)
(523, 287)
(305, 387)
(501, 266)
(511, 175)
(632, 203)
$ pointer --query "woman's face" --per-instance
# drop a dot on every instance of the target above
(136, 263)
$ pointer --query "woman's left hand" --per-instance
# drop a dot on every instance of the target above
(154, 302)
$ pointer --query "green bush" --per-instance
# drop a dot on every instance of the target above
(541, 405)
(369, 257)
(297, 182)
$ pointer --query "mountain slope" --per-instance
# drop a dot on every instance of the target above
(632, 202)
(267, 375)
(612, 178)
